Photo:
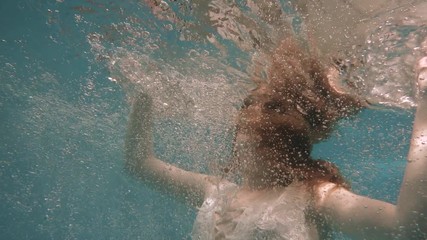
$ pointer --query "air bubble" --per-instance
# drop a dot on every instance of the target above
(205, 53)
(112, 79)
(145, 34)
(153, 47)
(193, 53)
(164, 5)
(169, 27)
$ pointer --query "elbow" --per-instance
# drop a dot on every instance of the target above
(130, 168)
(132, 156)
(411, 222)
(138, 165)
(131, 163)
(136, 170)
(413, 225)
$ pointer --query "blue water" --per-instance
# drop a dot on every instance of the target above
(62, 128)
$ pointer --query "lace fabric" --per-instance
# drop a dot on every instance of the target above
(269, 217)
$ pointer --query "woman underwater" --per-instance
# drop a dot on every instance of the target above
(284, 193)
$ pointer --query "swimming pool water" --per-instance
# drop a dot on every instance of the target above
(63, 123)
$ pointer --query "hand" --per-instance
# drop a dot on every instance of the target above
(422, 76)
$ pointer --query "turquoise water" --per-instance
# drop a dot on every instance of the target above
(63, 121)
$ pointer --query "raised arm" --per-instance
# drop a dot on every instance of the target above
(367, 218)
(412, 203)
(140, 160)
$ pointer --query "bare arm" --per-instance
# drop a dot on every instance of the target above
(372, 219)
(412, 202)
(140, 161)
(358, 216)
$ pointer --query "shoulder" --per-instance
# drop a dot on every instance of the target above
(323, 191)
(217, 185)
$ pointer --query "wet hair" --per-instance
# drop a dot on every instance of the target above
(283, 117)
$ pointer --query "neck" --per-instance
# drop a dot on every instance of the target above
(267, 173)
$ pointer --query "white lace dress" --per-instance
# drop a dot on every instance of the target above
(273, 216)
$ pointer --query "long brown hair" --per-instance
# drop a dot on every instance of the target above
(282, 118)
